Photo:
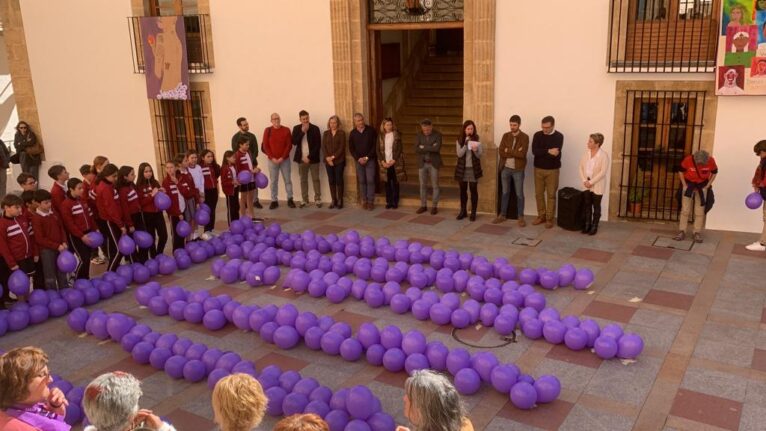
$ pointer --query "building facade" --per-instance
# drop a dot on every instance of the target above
(77, 79)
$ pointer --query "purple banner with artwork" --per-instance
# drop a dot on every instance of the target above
(165, 63)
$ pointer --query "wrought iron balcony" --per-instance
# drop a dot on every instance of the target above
(199, 44)
(663, 35)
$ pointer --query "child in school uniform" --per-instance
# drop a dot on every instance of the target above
(194, 168)
(59, 175)
(172, 184)
(78, 221)
(245, 163)
(230, 185)
(130, 206)
(210, 173)
(17, 245)
(112, 222)
(147, 187)
(50, 239)
(89, 197)
(188, 192)
(29, 208)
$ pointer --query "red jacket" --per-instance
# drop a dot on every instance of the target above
(146, 199)
(129, 203)
(277, 143)
(171, 189)
(759, 179)
(186, 185)
(244, 162)
(89, 196)
(228, 175)
(107, 201)
(58, 194)
(77, 217)
(17, 241)
(50, 231)
(696, 173)
(210, 174)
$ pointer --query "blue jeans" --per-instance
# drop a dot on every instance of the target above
(518, 186)
(274, 170)
(365, 177)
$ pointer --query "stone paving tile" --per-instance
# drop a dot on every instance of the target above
(759, 360)
(653, 252)
(752, 418)
(582, 418)
(584, 358)
(676, 286)
(628, 384)
(728, 353)
(669, 299)
(715, 383)
(544, 416)
(427, 220)
(182, 419)
(605, 310)
(573, 377)
(502, 424)
(493, 229)
(708, 409)
(594, 255)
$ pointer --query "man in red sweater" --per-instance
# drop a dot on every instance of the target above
(277, 143)
(17, 245)
(50, 239)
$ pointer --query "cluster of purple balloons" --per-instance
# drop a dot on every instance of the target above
(181, 305)
(247, 177)
(288, 392)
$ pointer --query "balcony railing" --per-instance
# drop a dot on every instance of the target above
(199, 43)
(663, 35)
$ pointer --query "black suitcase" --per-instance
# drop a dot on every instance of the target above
(570, 209)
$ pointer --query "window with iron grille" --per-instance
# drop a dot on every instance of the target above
(661, 127)
(663, 35)
(180, 126)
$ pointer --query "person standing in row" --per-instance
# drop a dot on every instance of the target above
(428, 148)
(468, 169)
(244, 131)
(593, 167)
(334, 149)
(230, 185)
(277, 143)
(759, 186)
(242, 162)
(147, 187)
(51, 240)
(28, 149)
(546, 147)
(391, 161)
(111, 222)
(697, 174)
(78, 221)
(361, 144)
(210, 173)
(307, 140)
(512, 155)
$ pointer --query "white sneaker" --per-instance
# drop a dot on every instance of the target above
(756, 246)
(206, 236)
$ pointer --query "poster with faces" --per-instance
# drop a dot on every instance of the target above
(741, 62)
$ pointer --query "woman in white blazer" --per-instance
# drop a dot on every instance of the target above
(593, 168)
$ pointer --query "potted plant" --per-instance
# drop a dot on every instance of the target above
(636, 196)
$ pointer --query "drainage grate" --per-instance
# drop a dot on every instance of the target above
(529, 242)
(668, 242)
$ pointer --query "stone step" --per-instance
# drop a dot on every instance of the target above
(439, 76)
(439, 84)
(456, 93)
(431, 112)
(434, 101)
(447, 130)
(439, 68)
(438, 119)
(445, 59)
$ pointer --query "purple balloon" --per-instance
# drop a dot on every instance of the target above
(159, 356)
(77, 319)
(554, 332)
(754, 200)
(183, 229)
(214, 320)
(576, 338)
(66, 261)
(18, 283)
(457, 359)
(547, 388)
(532, 329)
(416, 361)
(368, 334)
(374, 354)
(337, 420)
(437, 353)
(174, 366)
(484, 363)
(393, 359)
(126, 245)
(467, 381)
(331, 342)
(286, 337)
(194, 371)
(93, 239)
(535, 300)
(503, 377)
(523, 395)
(460, 318)
(605, 347)
(629, 346)
(391, 337)
(351, 349)
(162, 201)
(261, 180)
(360, 402)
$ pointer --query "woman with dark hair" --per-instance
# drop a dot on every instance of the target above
(210, 172)
(759, 186)
(30, 151)
(391, 160)
(334, 149)
(148, 186)
(593, 167)
(26, 401)
(431, 402)
(112, 223)
(468, 169)
(78, 221)
(130, 206)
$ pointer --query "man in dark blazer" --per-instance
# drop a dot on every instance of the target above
(307, 141)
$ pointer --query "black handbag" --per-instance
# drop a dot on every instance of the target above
(15, 158)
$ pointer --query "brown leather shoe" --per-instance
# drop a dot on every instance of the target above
(539, 220)
(364, 205)
(548, 225)
(434, 211)
(498, 220)
(421, 210)
(522, 223)
(370, 206)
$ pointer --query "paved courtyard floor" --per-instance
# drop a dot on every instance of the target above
(701, 313)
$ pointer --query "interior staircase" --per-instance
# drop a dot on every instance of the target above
(437, 94)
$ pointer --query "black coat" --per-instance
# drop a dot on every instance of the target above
(315, 143)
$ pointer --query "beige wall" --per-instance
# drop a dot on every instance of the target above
(563, 73)
(8, 115)
(89, 100)
(270, 57)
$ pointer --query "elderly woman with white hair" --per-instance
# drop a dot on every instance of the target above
(431, 403)
(697, 173)
(111, 404)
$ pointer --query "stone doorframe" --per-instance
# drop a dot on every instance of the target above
(351, 79)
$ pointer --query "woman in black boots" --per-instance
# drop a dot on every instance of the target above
(593, 168)
(468, 169)
(334, 149)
